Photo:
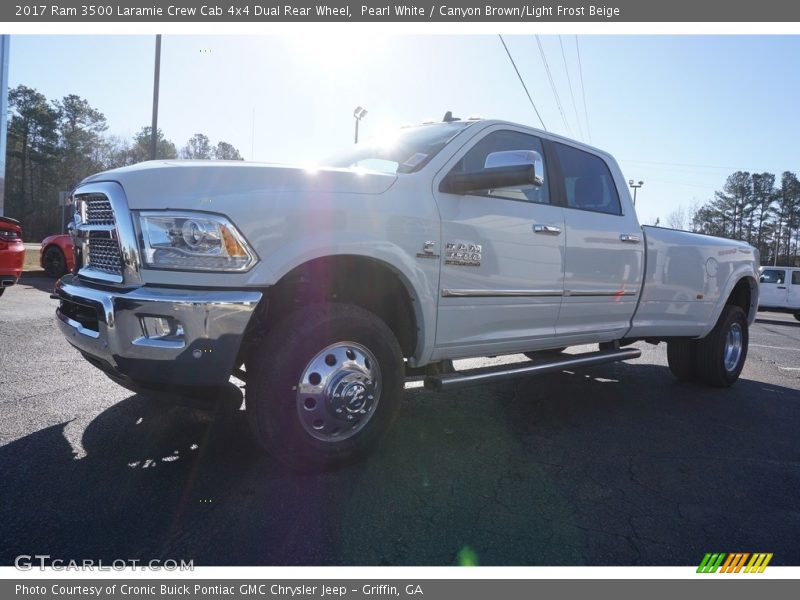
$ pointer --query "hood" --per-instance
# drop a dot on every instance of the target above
(161, 181)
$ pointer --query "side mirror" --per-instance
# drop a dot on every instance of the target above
(509, 168)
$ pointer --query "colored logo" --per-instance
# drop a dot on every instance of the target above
(735, 562)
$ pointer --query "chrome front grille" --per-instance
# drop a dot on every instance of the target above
(106, 249)
(98, 210)
(101, 250)
(104, 256)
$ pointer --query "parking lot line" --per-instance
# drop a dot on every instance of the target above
(775, 347)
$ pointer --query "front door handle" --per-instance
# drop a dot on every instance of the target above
(547, 229)
(629, 238)
(781, 287)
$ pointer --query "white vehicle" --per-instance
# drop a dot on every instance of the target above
(779, 290)
(325, 288)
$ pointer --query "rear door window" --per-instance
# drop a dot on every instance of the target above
(795, 277)
(587, 181)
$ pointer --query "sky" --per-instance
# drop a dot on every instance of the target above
(678, 112)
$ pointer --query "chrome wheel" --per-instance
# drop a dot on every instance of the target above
(338, 391)
(733, 347)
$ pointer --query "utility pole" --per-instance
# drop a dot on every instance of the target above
(635, 187)
(3, 116)
(156, 77)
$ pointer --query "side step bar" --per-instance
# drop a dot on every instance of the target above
(452, 381)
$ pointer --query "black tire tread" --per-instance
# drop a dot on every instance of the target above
(682, 359)
(271, 415)
(49, 271)
(710, 350)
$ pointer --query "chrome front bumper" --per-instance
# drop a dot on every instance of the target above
(109, 327)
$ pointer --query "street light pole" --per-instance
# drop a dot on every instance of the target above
(359, 113)
(635, 187)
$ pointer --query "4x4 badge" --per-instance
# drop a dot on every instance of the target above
(428, 250)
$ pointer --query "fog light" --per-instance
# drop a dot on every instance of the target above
(161, 327)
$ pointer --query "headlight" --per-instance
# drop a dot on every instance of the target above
(193, 241)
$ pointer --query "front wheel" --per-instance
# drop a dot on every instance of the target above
(325, 386)
(54, 262)
(721, 354)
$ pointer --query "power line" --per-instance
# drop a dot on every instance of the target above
(684, 183)
(553, 86)
(691, 166)
(583, 90)
(525, 87)
(569, 82)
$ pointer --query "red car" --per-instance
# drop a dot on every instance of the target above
(12, 252)
(56, 256)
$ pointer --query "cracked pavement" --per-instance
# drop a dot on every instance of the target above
(613, 465)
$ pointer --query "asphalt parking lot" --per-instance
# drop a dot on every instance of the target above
(612, 465)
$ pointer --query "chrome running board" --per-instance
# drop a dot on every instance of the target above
(452, 381)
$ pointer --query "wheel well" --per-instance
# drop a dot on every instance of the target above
(362, 281)
(742, 295)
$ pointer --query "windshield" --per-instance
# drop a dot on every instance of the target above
(405, 152)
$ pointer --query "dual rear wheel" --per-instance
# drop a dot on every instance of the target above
(716, 359)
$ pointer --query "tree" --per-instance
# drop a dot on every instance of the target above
(31, 158)
(140, 150)
(733, 204)
(226, 151)
(787, 214)
(677, 218)
(80, 128)
(763, 199)
(751, 208)
(111, 152)
(198, 147)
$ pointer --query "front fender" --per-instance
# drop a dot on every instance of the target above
(420, 278)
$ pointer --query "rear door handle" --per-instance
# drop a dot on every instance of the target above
(547, 229)
(629, 238)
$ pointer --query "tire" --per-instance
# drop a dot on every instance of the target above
(722, 353)
(325, 386)
(54, 262)
(544, 353)
(682, 359)
(797, 316)
(2, 289)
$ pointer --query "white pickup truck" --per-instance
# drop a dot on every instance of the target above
(325, 288)
(779, 290)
